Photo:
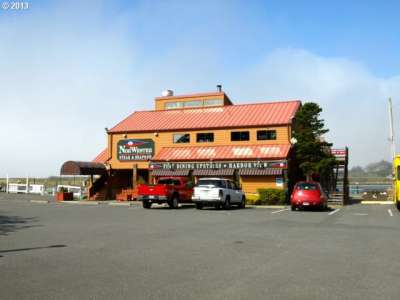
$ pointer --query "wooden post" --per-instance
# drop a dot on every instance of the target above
(134, 176)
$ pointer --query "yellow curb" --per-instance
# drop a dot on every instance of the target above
(378, 202)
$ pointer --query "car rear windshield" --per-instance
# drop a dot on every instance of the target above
(307, 186)
(168, 181)
(215, 183)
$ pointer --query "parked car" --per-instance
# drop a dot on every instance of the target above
(171, 190)
(218, 192)
(308, 194)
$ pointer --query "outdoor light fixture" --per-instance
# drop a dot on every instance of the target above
(293, 141)
(156, 134)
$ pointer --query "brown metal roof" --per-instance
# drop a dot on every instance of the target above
(230, 116)
(82, 168)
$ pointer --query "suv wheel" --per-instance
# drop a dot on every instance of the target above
(292, 207)
(243, 202)
(227, 203)
(174, 202)
(146, 204)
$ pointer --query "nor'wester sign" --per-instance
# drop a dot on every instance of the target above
(135, 149)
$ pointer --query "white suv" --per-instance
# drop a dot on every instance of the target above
(218, 192)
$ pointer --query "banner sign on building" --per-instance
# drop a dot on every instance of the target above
(218, 165)
(135, 149)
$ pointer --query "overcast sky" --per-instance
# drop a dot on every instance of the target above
(68, 70)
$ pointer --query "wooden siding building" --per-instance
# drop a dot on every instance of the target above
(198, 135)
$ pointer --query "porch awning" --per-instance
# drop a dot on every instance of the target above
(260, 172)
(83, 168)
(227, 152)
(212, 172)
(170, 172)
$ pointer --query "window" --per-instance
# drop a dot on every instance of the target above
(181, 138)
(266, 135)
(205, 137)
(195, 103)
(169, 181)
(211, 182)
(240, 136)
(173, 105)
(213, 102)
(306, 186)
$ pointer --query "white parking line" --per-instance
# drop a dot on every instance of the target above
(390, 212)
(334, 212)
(278, 211)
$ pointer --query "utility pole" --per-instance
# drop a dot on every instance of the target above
(391, 137)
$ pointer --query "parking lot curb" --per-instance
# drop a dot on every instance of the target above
(80, 202)
(377, 202)
(268, 206)
(121, 204)
(40, 201)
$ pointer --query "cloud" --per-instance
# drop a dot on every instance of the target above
(353, 99)
(72, 74)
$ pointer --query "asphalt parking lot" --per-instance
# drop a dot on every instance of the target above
(61, 251)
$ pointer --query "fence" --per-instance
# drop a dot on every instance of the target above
(25, 188)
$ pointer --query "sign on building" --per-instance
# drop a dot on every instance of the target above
(135, 149)
(218, 165)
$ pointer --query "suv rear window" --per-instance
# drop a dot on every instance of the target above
(168, 181)
(207, 182)
(307, 186)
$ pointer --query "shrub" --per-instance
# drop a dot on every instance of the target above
(271, 197)
(252, 199)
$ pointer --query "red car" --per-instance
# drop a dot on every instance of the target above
(308, 194)
(171, 190)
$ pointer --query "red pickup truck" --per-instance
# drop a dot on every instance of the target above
(171, 190)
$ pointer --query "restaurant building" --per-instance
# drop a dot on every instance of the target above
(197, 135)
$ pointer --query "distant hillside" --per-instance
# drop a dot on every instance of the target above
(381, 169)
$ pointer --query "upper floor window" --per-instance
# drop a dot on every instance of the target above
(205, 137)
(240, 136)
(213, 102)
(194, 103)
(266, 134)
(181, 138)
(173, 105)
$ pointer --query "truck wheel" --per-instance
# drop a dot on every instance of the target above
(218, 206)
(243, 202)
(146, 204)
(174, 202)
(199, 205)
(398, 205)
(227, 203)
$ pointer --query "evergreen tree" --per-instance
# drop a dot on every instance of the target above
(312, 152)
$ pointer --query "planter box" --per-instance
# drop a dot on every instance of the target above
(64, 196)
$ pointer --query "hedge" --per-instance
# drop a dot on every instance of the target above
(271, 197)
